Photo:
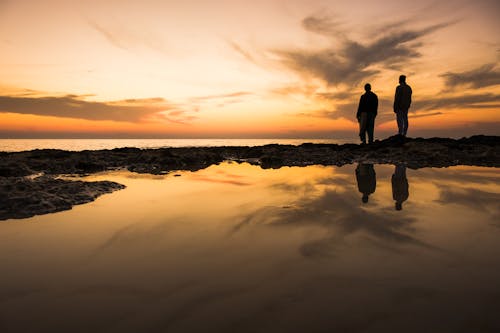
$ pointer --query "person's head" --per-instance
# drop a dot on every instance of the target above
(364, 198)
(402, 79)
(368, 87)
(399, 205)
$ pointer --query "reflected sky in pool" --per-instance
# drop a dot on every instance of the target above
(235, 248)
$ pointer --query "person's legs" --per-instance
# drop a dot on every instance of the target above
(362, 126)
(400, 120)
(370, 124)
(405, 121)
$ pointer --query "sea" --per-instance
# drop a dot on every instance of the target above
(12, 145)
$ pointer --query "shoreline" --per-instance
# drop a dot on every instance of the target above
(415, 153)
(29, 185)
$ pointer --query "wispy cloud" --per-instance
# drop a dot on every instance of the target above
(246, 54)
(389, 46)
(323, 24)
(470, 101)
(220, 96)
(220, 100)
(425, 106)
(125, 38)
(75, 106)
(348, 61)
(178, 116)
(480, 77)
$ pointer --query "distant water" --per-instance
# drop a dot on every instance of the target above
(97, 144)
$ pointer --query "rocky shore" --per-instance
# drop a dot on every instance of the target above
(24, 196)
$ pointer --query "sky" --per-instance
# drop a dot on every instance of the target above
(245, 69)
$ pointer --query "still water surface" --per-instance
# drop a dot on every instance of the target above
(234, 248)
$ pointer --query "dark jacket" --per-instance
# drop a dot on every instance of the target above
(402, 98)
(368, 103)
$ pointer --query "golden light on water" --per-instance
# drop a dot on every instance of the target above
(229, 242)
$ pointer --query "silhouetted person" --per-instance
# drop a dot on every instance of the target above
(367, 180)
(402, 102)
(367, 111)
(399, 186)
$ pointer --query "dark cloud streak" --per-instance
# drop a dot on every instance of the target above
(483, 76)
(322, 24)
(474, 101)
(73, 106)
(353, 61)
(123, 37)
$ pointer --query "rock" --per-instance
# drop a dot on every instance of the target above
(24, 197)
(477, 150)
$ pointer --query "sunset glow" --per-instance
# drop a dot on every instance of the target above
(209, 69)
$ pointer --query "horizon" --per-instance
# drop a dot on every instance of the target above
(226, 70)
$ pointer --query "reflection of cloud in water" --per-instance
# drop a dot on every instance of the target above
(454, 188)
(221, 180)
(473, 199)
(341, 216)
(467, 176)
(306, 188)
(134, 235)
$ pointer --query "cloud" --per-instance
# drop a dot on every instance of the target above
(346, 104)
(339, 95)
(425, 114)
(220, 100)
(472, 101)
(178, 116)
(247, 55)
(353, 61)
(220, 96)
(323, 24)
(480, 77)
(74, 106)
(125, 38)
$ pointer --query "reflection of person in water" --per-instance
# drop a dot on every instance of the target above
(367, 181)
(399, 186)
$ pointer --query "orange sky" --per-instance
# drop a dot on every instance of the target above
(296, 68)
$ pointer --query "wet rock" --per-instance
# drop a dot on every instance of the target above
(24, 197)
(478, 150)
(271, 162)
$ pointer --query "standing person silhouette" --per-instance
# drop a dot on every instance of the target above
(402, 102)
(367, 180)
(399, 186)
(367, 111)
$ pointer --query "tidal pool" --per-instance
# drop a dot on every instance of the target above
(235, 248)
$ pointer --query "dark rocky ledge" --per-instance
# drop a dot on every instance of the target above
(415, 153)
(24, 197)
